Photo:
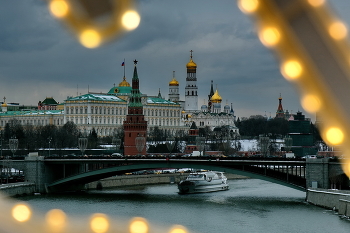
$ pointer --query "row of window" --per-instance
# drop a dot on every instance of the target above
(34, 122)
(120, 111)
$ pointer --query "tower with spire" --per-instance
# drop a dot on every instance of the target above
(211, 93)
(174, 95)
(135, 124)
(280, 112)
(191, 89)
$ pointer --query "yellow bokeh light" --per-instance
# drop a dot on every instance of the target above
(270, 36)
(99, 223)
(59, 8)
(316, 3)
(311, 103)
(338, 30)
(90, 38)
(248, 6)
(291, 69)
(177, 230)
(335, 136)
(56, 219)
(138, 225)
(21, 212)
(131, 20)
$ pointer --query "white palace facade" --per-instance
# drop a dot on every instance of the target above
(106, 112)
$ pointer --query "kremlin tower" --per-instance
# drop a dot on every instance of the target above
(280, 112)
(191, 89)
(174, 95)
(134, 125)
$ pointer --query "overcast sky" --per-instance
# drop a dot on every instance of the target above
(39, 58)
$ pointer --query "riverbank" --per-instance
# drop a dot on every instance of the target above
(338, 200)
(132, 180)
(17, 189)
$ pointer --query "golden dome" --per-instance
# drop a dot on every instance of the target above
(183, 111)
(191, 64)
(4, 105)
(189, 116)
(216, 98)
(124, 83)
(174, 82)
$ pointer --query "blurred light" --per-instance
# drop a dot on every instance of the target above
(21, 212)
(99, 223)
(334, 135)
(131, 20)
(138, 225)
(178, 229)
(338, 30)
(311, 103)
(90, 38)
(291, 69)
(270, 36)
(248, 6)
(59, 8)
(316, 3)
(56, 219)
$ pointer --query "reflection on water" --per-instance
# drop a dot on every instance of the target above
(249, 206)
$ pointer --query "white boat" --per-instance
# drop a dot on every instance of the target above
(202, 182)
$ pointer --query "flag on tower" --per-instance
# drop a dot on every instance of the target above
(123, 64)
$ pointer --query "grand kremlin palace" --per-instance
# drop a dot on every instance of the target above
(106, 112)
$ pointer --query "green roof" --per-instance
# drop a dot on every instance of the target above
(120, 90)
(157, 100)
(97, 97)
(29, 113)
(49, 101)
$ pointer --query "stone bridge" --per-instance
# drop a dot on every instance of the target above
(55, 175)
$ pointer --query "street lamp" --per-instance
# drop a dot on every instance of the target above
(200, 143)
(140, 142)
(82, 143)
(170, 143)
(264, 145)
(49, 138)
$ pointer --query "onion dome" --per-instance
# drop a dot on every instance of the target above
(191, 64)
(204, 107)
(124, 83)
(4, 105)
(189, 116)
(174, 82)
(216, 98)
(227, 107)
(183, 111)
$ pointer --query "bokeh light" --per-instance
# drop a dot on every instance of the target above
(90, 38)
(99, 223)
(316, 3)
(248, 6)
(334, 135)
(270, 36)
(131, 20)
(59, 8)
(338, 30)
(138, 225)
(311, 103)
(291, 69)
(56, 219)
(21, 212)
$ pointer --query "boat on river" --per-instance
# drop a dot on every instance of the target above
(203, 182)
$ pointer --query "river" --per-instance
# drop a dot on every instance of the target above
(249, 206)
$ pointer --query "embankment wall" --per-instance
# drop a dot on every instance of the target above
(17, 189)
(338, 200)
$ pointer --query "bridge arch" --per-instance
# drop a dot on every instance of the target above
(91, 176)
